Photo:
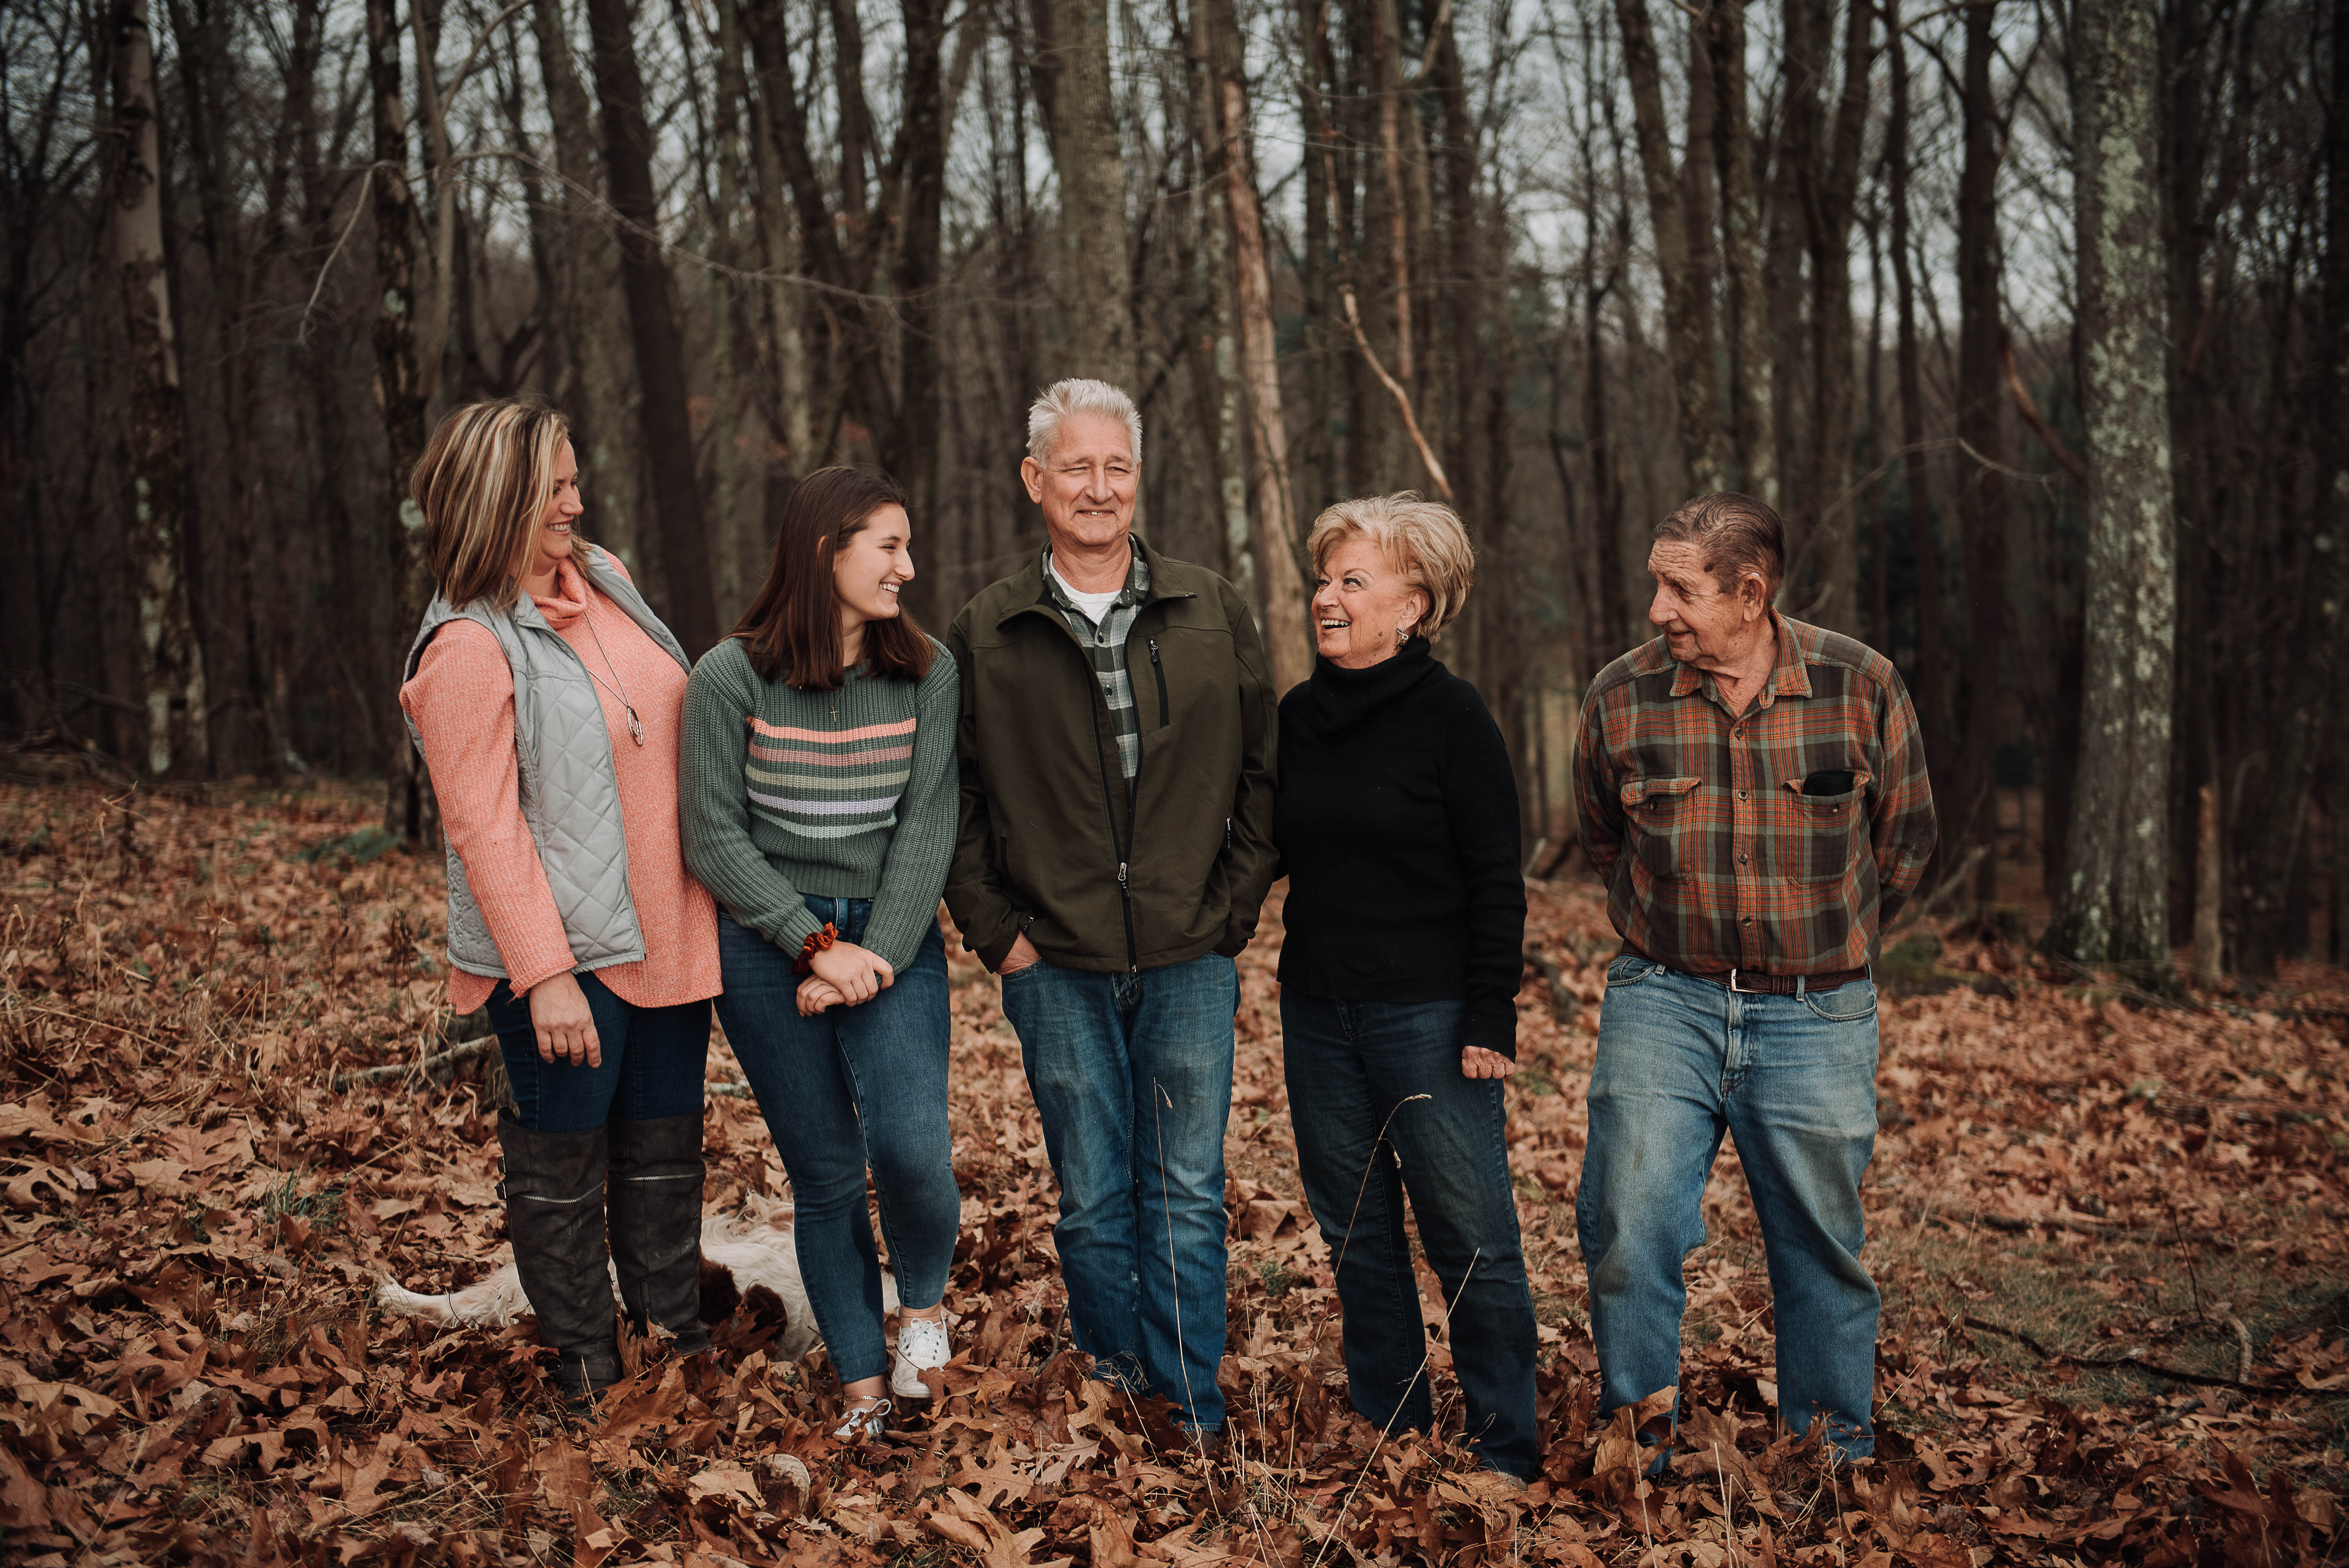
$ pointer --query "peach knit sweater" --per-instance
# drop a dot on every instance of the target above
(461, 699)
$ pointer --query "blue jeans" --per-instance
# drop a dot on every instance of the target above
(1380, 1107)
(850, 1087)
(1794, 1080)
(1132, 1074)
(652, 1068)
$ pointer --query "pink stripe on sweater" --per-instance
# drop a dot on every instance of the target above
(828, 737)
(833, 759)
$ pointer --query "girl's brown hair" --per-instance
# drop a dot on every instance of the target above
(794, 625)
(483, 483)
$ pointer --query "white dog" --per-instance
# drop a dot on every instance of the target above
(739, 1257)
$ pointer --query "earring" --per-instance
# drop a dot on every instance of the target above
(1403, 635)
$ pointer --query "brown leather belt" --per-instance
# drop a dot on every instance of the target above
(1754, 981)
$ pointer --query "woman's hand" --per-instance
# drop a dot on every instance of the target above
(1476, 1062)
(858, 973)
(566, 1029)
(815, 995)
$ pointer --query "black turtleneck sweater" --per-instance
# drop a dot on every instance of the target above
(1397, 818)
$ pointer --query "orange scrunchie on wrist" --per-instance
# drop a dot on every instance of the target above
(817, 942)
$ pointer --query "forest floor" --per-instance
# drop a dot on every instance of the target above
(2109, 1232)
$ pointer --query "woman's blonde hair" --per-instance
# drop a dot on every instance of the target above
(1421, 538)
(483, 483)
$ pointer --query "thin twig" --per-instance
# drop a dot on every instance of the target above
(2025, 406)
(1401, 398)
(358, 205)
(2131, 1363)
(455, 1056)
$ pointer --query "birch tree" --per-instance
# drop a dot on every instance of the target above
(2109, 905)
(170, 664)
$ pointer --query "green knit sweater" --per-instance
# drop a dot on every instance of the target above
(836, 794)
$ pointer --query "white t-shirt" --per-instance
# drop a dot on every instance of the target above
(1094, 605)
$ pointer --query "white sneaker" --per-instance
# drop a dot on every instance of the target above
(865, 1423)
(922, 1347)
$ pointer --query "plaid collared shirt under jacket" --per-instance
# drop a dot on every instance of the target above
(1695, 818)
(1106, 645)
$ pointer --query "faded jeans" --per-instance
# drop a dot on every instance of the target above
(1792, 1078)
(1132, 1074)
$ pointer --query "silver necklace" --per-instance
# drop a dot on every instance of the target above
(635, 728)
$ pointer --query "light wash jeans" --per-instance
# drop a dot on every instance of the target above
(1792, 1078)
(1132, 1074)
(1380, 1107)
(848, 1086)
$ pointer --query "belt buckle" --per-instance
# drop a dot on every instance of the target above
(1735, 986)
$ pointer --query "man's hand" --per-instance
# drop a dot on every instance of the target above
(1476, 1062)
(858, 973)
(566, 1029)
(1023, 956)
(815, 995)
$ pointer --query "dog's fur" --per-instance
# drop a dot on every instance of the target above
(740, 1256)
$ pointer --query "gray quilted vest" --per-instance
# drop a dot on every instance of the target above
(570, 795)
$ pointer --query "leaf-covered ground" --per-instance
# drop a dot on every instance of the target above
(2110, 1233)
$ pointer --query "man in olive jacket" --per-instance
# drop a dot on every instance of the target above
(1115, 847)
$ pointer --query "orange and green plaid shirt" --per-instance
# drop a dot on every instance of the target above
(1694, 818)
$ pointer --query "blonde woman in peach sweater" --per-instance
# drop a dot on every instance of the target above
(548, 701)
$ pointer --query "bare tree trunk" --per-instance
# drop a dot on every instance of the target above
(1315, 484)
(793, 413)
(1687, 313)
(1216, 40)
(1932, 670)
(1829, 516)
(398, 392)
(1753, 408)
(913, 454)
(587, 285)
(2309, 701)
(1972, 814)
(2109, 906)
(1080, 113)
(171, 663)
(667, 427)
(1224, 376)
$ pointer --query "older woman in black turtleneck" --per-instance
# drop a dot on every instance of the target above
(1405, 919)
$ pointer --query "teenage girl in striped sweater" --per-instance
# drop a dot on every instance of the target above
(819, 797)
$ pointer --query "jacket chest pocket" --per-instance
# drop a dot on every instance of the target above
(1662, 817)
(1817, 833)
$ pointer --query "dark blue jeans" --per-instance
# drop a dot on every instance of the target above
(848, 1087)
(653, 1062)
(1381, 1109)
(1132, 1074)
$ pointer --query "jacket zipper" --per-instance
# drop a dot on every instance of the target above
(1158, 670)
(1124, 850)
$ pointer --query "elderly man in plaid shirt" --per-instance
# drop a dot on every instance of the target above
(1752, 791)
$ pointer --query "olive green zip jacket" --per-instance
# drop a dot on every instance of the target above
(1049, 843)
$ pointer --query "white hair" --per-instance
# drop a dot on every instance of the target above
(1077, 395)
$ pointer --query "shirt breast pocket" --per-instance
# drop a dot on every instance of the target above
(1822, 832)
(1661, 813)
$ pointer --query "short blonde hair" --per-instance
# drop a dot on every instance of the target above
(1421, 538)
(483, 484)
